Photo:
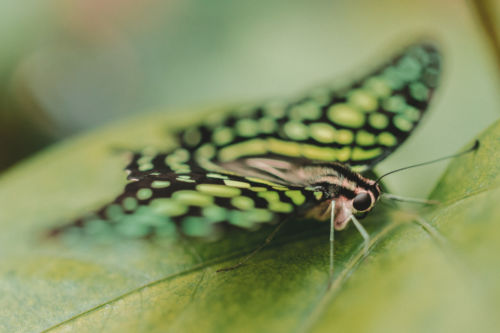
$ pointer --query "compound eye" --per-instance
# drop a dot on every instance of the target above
(362, 202)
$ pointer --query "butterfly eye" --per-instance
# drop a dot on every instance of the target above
(362, 202)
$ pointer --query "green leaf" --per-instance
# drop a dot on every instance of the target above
(439, 276)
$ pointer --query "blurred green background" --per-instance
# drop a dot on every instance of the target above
(70, 66)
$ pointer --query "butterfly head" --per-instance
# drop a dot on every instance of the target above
(360, 201)
(349, 193)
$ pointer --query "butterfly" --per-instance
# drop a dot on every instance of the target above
(260, 164)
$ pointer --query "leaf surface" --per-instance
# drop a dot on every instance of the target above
(437, 276)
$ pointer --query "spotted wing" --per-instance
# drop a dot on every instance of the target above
(358, 125)
(196, 204)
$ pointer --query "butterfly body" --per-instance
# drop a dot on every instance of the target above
(263, 163)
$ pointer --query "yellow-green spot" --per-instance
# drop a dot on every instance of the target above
(346, 115)
(322, 132)
(269, 196)
(223, 135)
(296, 130)
(181, 168)
(193, 198)
(280, 188)
(145, 166)
(284, 147)
(378, 86)
(280, 207)
(206, 151)
(167, 229)
(216, 175)
(267, 125)
(395, 103)
(319, 153)
(219, 190)
(365, 154)
(419, 91)
(176, 158)
(259, 215)
(130, 228)
(243, 203)
(185, 180)
(343, 154)
(318, 195)
(393, 78)
(297, 197)
(363, 100)
(411, 113)
(196, 227)
(345, 136)
(114, 212)
(160, 184)
(378, 120)
(387, 139)
(247, 127)
(409, 68)
(129, 203)
(168, 207)
(250, 147)
(192, 136)
(147, 216)
(402, 123)
(240, 219)
(365, 138)
(144, 193)
(215, 213)
(236, 183)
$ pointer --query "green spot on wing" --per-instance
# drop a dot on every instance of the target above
(378, 120)
(196, 227)
(160, 184)
(322, 132)
(296, 131)
(243, 203)
(193, 198)
(144, 193)
(346, 115)
(297, 197)
(129, 203)
(402, 123)
(168, 207)
(218, 190)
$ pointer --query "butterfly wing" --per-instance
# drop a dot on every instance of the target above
(191, 190)
(358, 125)
(196, 204)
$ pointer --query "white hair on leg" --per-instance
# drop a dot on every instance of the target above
(363, 233)
(332, 237)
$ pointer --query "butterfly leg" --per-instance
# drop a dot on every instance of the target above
(332, 238)
(254, 252)
(363, 233)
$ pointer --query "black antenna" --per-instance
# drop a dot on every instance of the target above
(473, 148)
